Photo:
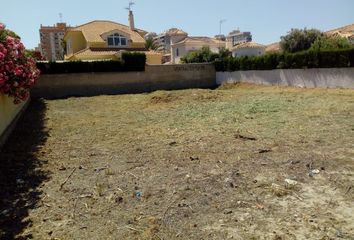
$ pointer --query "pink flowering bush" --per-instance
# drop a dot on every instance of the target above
(18, 73)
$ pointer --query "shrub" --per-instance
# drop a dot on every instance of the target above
(299, 39)
(330, 43)
(131, 61)
(336, 58)
(18, 73)
(79, 67)
(304, 59)
(200, 56)
(134, 61)
(36, 55)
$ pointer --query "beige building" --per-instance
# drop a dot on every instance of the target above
(51, 41)
(169, 37)
(166, 39)
(190, 44)
(248, 49)
(106, 40)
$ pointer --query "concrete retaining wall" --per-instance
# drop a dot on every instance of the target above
(159, 77)
(309, 78)
(9, 114)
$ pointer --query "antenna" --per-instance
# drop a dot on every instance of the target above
(131, 3)
(61, 17)
(221, 22)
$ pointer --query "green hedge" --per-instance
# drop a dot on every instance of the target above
(131, 61)
(134, 61)
(305, 59)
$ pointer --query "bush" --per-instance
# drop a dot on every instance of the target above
(304, 59)
(134, 61)
(131, 61)
(330, 43)
(200, 56)
(18, 72)
(299, 39)
(79, 67)
(339, 58)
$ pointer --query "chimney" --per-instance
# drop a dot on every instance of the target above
(131, 20)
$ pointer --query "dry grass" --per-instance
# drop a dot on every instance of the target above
(200, 164)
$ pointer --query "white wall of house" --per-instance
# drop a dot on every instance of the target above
(239, 52)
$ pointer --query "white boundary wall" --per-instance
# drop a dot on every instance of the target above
(308, 78)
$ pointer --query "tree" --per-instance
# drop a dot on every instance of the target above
(200, 56)
(151, 44)
(36, 55)
(299, 39)
(224, 53)
(330, 43)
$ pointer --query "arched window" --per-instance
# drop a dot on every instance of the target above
(116, 40)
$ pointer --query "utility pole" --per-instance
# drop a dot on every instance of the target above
(220, 23)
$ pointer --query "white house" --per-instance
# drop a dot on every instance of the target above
(189, 44)
(248, 49)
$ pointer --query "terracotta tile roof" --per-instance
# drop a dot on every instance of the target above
(346, 30)
(176, 31)
(201, 40)
(92, 31)
(117, 49)
(274, 47)
(249, 45)
(88, 52)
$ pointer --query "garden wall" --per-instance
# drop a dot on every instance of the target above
(158, 77)
(9, 114)
(309, 78)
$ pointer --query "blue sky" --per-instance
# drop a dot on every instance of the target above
(266, 19)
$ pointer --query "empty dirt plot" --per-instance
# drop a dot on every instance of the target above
(238, 162)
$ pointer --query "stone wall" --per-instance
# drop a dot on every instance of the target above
(309, 78)
(158, 77)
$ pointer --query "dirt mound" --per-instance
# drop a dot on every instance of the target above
(163, 98)
(207, 95)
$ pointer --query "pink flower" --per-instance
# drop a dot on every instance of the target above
(17, 72)
(2, 56)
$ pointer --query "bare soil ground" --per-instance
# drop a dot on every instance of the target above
(238, 162)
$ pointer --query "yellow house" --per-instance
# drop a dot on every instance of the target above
(106, 40)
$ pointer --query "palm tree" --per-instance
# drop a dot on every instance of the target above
(151, 44)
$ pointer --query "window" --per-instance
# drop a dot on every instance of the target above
(116, 40)
(177, 52)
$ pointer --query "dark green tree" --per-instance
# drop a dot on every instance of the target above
(299, 39)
